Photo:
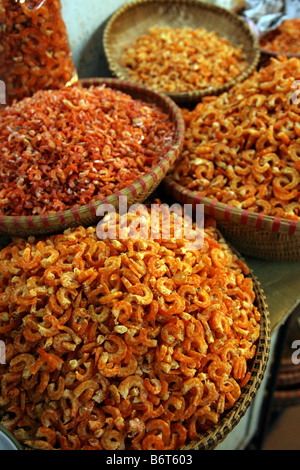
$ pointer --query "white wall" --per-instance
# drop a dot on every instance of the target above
(84, 21)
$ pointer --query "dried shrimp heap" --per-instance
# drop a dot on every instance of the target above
(122, 343)
(34, 48)
(243, 147)
(61, 148)
(284, 39)
(182, 60)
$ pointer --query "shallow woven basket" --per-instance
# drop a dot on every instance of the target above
(135, 18)
(136, 193)
(257, 235)
(212, 438)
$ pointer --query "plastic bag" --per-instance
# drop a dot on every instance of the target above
(34, 48)
(268, 15)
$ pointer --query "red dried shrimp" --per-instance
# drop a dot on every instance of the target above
(182, 60)
(122, 344)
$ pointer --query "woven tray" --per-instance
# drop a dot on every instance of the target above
(23, 226)
(257, 235)
(212, 438)
(135, 18)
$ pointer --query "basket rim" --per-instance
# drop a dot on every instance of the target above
(225, 212)
(192, 95)
(272, 53)
(214, 436)
(76, 212)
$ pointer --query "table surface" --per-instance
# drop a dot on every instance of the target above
(281, 284)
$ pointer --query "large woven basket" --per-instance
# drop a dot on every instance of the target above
(253, 234)
(138, 192)
(212, 438)
(135, 18)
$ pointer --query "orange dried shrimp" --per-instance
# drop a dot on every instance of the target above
(122, 344)
(61, 148)
(181, 60)
(284, 39)
(243, 147)
(34, 48)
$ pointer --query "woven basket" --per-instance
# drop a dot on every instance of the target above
(212, 438)
(257, 235)
(10, 441)
(135, 18)
(23, 226)
(266, 56)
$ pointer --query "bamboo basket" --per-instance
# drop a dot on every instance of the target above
(135, 18)
(138, 192)
(253, 234)
(212, 438)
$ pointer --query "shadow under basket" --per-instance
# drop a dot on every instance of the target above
(138, 192)
(134, 19)
(253, 234)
